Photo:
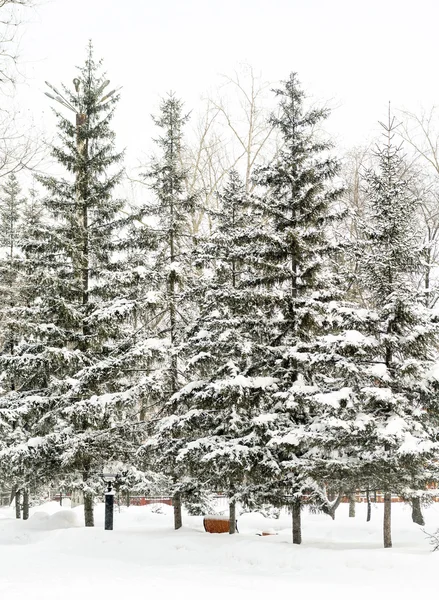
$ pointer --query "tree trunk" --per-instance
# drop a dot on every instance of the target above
(427, 289)
(334, 502)
(417, 515)
(13, 491)
(25, 505)
(232, 517)
(176, 502)
(352, 505)
(17, 504)
(128, 498)
(297, 524)
(369, 506)
(88, 509)
(387, 523)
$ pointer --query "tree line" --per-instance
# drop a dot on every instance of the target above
(267, 330)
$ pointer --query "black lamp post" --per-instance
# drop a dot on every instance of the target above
(109, 500)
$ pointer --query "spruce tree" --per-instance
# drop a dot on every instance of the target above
(167, 218)
(206, 430)
(405, 409)
(378, 427)
(17, 420)
(76, 363)
(298, 200)
(11, 204)
(10, 213)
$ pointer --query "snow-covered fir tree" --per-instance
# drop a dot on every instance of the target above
(12, 285)
(167, 222)
(298, 199)
(206, 429)
(378, 427)
(11, 205)
(405, 408)
(77, 362)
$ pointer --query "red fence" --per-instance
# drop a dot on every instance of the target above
(144, 500)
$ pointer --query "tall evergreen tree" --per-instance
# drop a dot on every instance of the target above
(168, 222)
(298, 200)
(405, 409)
(76, 365)
(379, 423)
(11, 204)
(21, 458)
(10, 213)
(206, 430)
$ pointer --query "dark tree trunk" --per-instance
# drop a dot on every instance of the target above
(176, 502)
(330, 507)
(417, 515)
(387, 523)
(12, 496)
(297, 523)
(352, 505)
(89, 510)
(18, 504)
(25, 505)
(128, 498)
(369, 506)
(232, 517)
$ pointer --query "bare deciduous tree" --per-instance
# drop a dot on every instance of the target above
(232, 133)
(19, 148)
(352, 204)
(421, 133)
(245, 114)
(11, 16)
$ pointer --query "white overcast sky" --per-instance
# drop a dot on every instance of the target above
(358, 55)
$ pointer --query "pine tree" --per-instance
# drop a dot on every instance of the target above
(167, 219)
(32, 216)
(16, 420)
(379, 424)
(11, 204)
(298, 200)
(230, 316)
(10, 212)
(206, 430)
(406, 334)
(172, 209)
(76, 364)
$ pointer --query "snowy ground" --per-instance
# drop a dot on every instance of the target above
(54, 556)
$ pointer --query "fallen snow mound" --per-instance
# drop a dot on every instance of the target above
(63, 519)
